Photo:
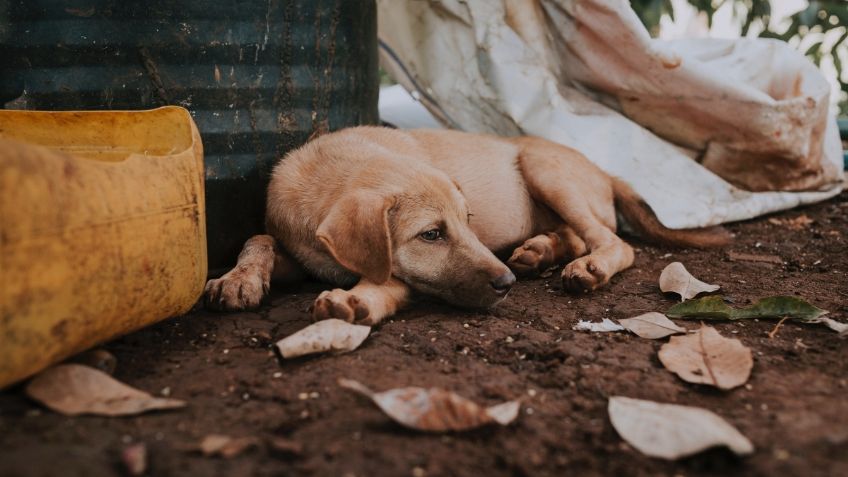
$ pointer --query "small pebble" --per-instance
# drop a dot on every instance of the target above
(303, 396)
(166, 391)
(277, 375)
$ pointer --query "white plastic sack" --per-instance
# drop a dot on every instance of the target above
(681, 121)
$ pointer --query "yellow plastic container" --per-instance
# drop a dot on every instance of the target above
(102, 229)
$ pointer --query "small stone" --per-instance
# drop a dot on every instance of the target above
(314, 395)
(510, 339)
(418, 472)
(466, 325)
(277, 375)
(134, 458)
(303, 396)
(166, 391)
(531, 392)
(284, 446)
(781, 454)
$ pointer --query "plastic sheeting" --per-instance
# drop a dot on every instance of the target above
(695, 126)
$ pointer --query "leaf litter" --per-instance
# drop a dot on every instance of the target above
(675, 278)
(73, 389)
(672, 431)
(434, 409)
(706, 357)
(651, 325)
(331, 335)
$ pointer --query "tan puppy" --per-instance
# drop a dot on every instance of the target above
(386, 211)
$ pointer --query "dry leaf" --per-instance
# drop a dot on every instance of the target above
(435, 409)
(706, 357)
(675, 278)
(651, 325)
(73, 389)
(134, 458)
(225, 446)
(326, 335)
(841, 328)
(671, 431)
(604, 326)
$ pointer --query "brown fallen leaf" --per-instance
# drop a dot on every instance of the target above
(134, 457)
(671, 431)
(706, 357)
(225, 446)
(435, 409)
(73, 389)
(675, 278)
(751, 257)
(326, 335)
(651, 325)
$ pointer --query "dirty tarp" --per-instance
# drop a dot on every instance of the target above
(586, 73)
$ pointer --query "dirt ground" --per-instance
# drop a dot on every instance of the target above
(795, 410)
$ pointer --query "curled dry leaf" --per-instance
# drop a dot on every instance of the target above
(435, 409)
(225, 446)
(604, 326)
(671, 431)
(651, 325)
(326, 335)
(73, 389)
(706, 357)
(675, 278)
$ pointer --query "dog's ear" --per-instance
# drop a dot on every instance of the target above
(356, 232)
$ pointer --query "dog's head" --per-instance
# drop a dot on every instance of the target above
(419, 232)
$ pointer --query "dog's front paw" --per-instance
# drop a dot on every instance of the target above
(343, 305)
(584, 274)
(533, 257)
(239, 289)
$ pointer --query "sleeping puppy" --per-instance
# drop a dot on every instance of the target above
(381, 212)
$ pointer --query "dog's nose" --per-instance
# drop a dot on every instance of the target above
(503, 283)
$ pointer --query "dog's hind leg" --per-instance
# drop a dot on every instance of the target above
(366, 303)
(543, 251)
(261, 260)
(582, 195)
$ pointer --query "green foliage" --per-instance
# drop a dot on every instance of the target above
(714, 308)
(820, 16)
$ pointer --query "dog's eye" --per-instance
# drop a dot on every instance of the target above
(431, 235)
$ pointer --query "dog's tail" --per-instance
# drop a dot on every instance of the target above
(642, 219)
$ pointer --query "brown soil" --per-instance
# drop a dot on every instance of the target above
(795, 410)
